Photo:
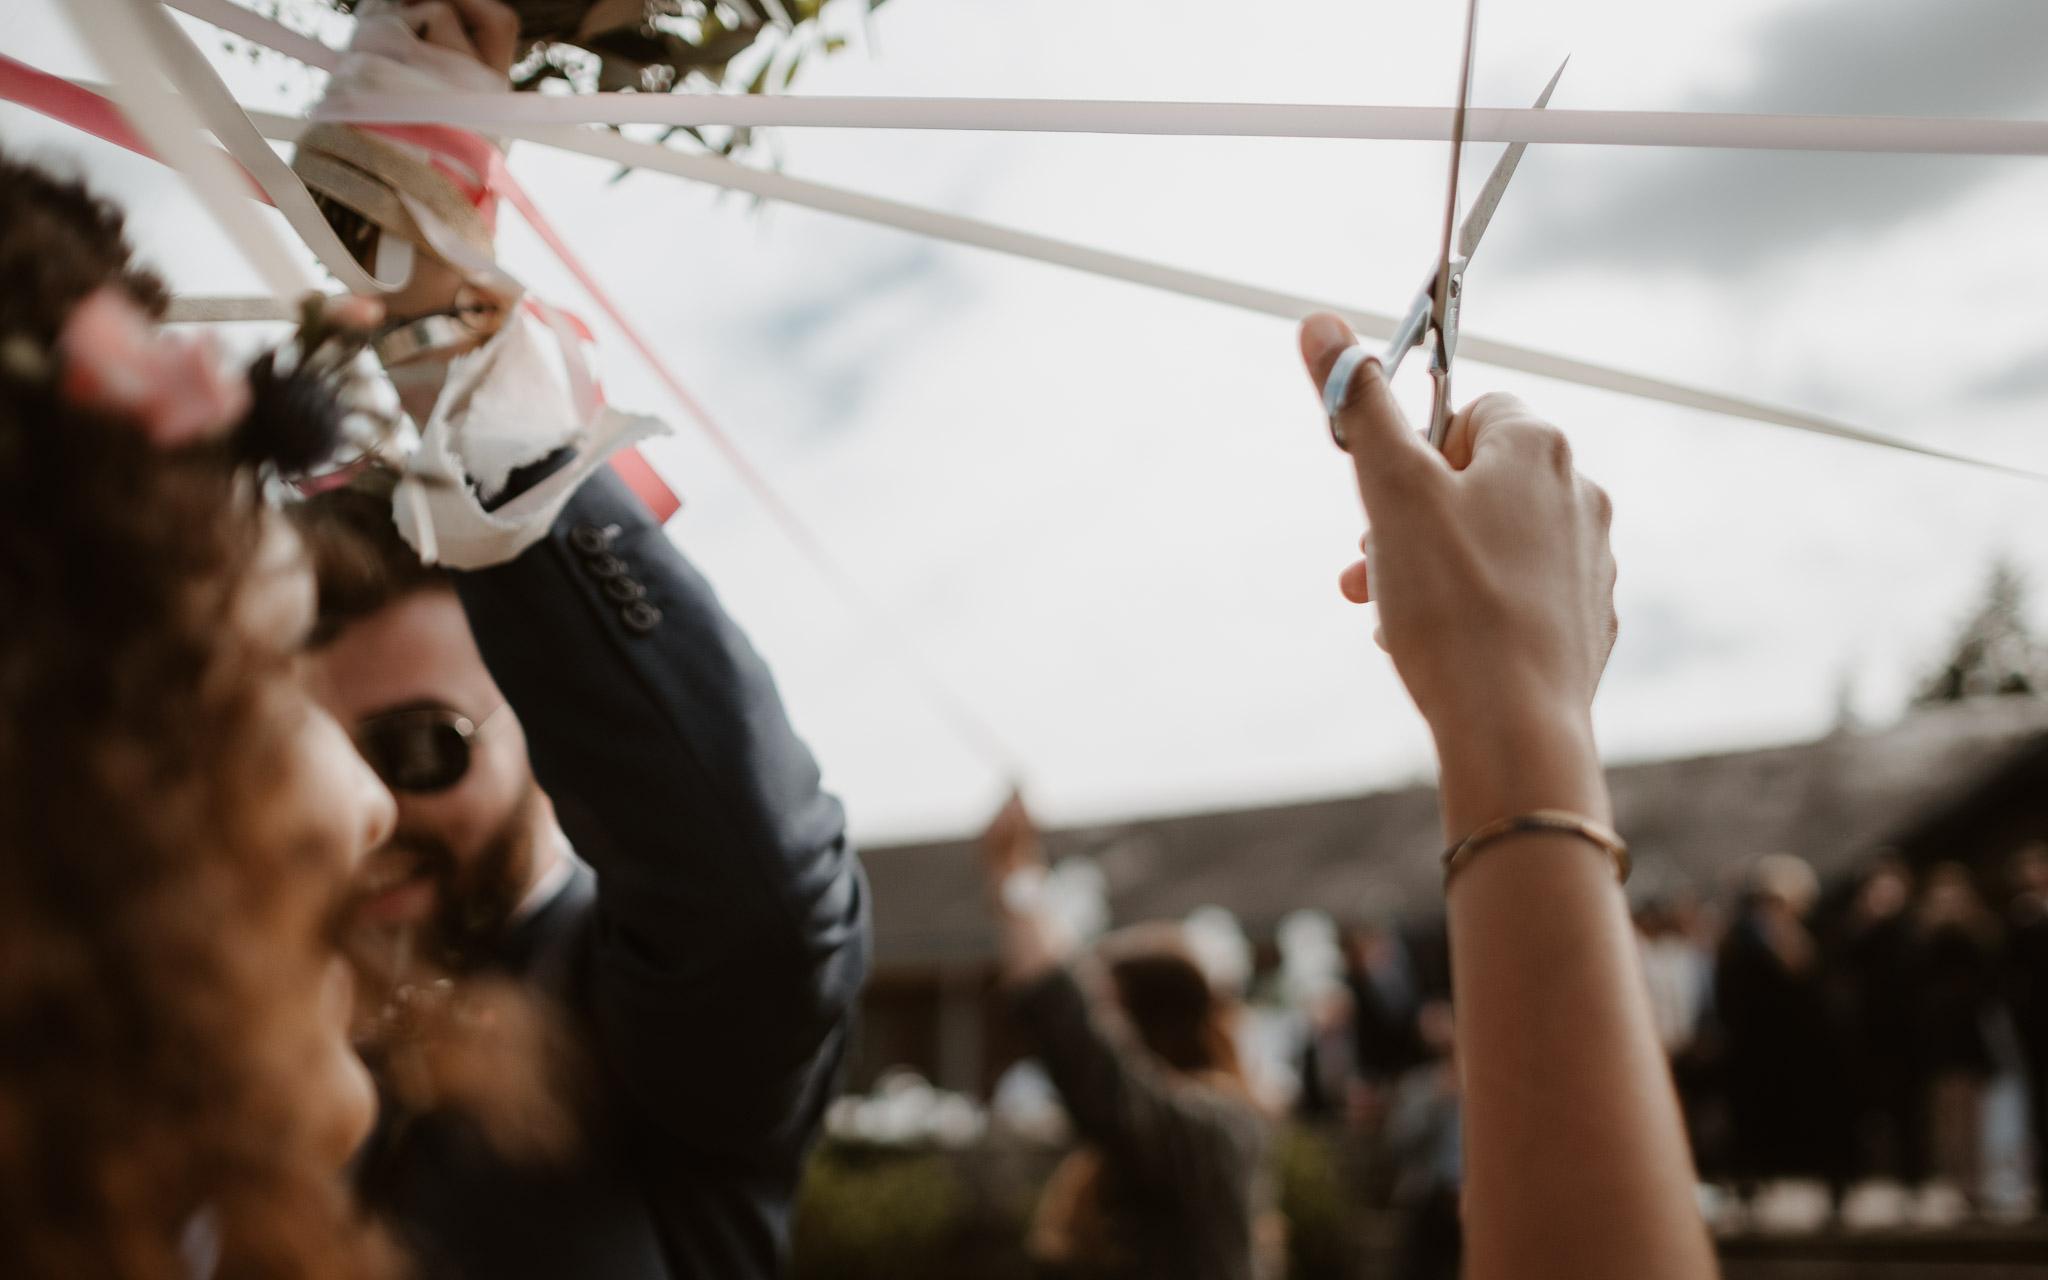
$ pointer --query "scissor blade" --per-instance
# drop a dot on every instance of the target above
(1497, 182)
(1440, 284)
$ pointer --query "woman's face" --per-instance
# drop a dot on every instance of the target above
(327, 809)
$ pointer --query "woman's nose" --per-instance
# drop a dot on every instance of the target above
(379, 808)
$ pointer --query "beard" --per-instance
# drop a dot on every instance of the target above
(440, 1031)
(474, 897)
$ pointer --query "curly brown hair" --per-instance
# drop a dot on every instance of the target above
(156, 950)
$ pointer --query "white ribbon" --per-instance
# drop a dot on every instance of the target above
(506, 405)
(112, 30)
(959, 230)
(201, 87)
(1888, 134)
(1191, 284)
(1892, 134)
(258, 29)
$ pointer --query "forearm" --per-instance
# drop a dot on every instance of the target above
(1111, 1086)
(1576, 1157)
(728, 894)
(1032, 946)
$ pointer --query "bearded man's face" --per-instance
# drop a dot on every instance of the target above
(462, 859)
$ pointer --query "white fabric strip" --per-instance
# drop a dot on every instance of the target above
(202, 88)
(775, 186)
(1193, 284)
(191, 309)
(1902, 135)
(1894, 134)
(111, 30)
(232, 17)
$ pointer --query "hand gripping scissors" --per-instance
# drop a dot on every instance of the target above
(1433, 316)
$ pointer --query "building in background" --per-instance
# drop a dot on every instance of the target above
(1963, 777)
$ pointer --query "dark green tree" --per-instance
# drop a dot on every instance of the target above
(1995, 652)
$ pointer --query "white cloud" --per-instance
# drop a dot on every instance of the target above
(1109, 517)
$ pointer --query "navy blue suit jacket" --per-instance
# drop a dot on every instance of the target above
(711, 963)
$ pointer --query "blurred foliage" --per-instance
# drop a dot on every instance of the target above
(875, 1213)
(867, 1212)
(660, 46)
(1317, 1204)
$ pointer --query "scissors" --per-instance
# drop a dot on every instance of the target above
(1433, 316)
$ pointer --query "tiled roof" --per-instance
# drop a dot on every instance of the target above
(1693, 821)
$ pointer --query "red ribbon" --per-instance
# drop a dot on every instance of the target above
(80, 108)
(466, 159)
(455, 150)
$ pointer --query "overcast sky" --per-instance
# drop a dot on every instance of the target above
(1110, 519)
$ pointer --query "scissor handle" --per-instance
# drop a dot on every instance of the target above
(1439, 406)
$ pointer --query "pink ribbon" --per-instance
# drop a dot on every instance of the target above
(467, 159)
(82, 109)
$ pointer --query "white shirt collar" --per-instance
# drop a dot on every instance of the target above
(551, 882)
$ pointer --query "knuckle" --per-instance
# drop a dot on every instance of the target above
(1556, 446)
(1603, 506)
(1498, 404)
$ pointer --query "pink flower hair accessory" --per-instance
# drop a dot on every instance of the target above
(117, 362)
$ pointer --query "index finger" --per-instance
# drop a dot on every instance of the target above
(1494, 422)
(495, 28)
(490, 30)
(437, 23)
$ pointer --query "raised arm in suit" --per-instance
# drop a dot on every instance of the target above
(729, 939)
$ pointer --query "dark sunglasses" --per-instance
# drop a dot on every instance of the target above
(420, 750)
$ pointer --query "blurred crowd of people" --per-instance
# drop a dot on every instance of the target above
(1893, 1027)
(1889, 1031)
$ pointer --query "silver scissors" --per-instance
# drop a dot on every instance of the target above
(1433, 316)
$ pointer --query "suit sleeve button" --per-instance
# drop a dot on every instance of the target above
(640, 617)
(623, 590)
(605, 566)
(590, 540)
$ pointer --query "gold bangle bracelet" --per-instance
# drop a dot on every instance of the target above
(1551, 821)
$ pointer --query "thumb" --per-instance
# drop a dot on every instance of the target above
(1390, 457)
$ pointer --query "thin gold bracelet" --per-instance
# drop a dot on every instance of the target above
(1553, 821)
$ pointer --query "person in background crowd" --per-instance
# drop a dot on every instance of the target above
(1171, 1177)
(2026, 970)
(1678, 972)
(1785, 1077)
(1328, 1066)
(177, 818)
(1957, 989)
(1425, 1132)
(1881, 962)
(1383, 1002)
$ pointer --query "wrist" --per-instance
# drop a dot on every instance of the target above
(1505, 764)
